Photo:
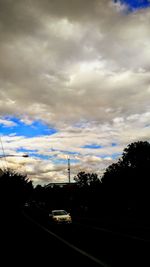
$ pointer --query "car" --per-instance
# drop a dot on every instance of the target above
(60, 217)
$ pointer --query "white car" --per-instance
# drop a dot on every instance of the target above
(60, 216)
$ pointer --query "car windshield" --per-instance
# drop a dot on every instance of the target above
(59, 212)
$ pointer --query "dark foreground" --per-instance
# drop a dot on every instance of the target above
(23, 243)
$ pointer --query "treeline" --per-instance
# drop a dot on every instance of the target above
(124, 188)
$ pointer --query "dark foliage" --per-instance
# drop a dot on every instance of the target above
(127, 182)
(15, 190)
(84, 179)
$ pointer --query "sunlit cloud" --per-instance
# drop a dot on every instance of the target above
(74, 79)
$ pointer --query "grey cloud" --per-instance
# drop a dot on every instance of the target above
(18, 18)
(73, 62)
(37, 69)
(25, 17)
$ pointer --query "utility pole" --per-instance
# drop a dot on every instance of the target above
(69, 169)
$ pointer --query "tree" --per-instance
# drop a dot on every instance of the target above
(127, 182)
(137, 155)
(84, 179)
(88, 192)
(135, 160)
(15, 189)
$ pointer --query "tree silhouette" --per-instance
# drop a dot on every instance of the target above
(137, 155)
(84, 179)
(15, 189)
(88, 188)
(127, 182)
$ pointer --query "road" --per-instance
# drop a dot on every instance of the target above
(34, 241)
(25, 242)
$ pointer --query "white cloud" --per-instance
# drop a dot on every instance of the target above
(73, 63)
(7, 123)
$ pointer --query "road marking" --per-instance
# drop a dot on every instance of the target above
(68, 244)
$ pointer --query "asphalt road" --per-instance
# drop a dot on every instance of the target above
(25, 242)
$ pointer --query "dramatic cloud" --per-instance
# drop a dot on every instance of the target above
(82, 67)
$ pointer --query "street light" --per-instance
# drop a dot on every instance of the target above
(24, 156)
(12, 155)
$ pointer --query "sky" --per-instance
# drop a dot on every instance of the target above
(74, 83)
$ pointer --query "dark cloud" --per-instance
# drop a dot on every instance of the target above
(17, 18)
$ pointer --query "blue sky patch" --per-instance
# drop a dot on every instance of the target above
(23, 150)
(113, 144)
(60, 161)
(116, 155)
(92, 146)
(135, 4)
(37, 128)
(113, 156)
(42, 157)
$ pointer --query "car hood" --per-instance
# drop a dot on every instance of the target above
(62, 216)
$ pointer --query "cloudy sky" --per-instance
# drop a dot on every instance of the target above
(74, 83)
